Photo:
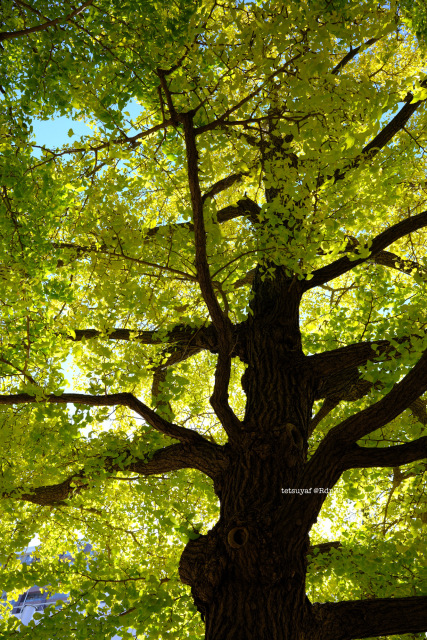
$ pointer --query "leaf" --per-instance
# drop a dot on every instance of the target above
(119, 282)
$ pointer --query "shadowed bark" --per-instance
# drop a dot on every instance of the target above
(367, 618)
(247, 574)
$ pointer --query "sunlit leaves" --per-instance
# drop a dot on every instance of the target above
(96, 234)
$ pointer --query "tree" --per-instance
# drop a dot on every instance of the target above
(237, 278)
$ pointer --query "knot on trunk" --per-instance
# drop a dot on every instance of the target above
(294, 444)
(202, 566)
(254, 554)
(237, 537)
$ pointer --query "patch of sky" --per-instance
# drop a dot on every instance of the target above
(61, 130)
(67, 370)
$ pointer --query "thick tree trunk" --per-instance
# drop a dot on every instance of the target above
(256, 611)
(248, 574)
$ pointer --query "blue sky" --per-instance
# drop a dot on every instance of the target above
(54, 133)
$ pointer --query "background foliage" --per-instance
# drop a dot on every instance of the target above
(92, 235)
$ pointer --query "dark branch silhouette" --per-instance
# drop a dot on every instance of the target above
(361, 457)
(10, 35)
(204, 456)
(111, 400)
(366, 618)
(375, 246)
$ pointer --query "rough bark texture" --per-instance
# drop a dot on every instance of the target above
(247, 575)
(364, 618)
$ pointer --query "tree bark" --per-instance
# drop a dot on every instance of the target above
(365, 618)
(248, 573)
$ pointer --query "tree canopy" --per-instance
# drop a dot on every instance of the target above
(213, 317)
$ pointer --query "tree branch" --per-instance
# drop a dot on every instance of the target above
(104, 250)
(121, 399)
(207, 457)
(352, 54)
(244, 207)
(220, 321)
(9, 35)
(367, 618)
(330, 459)
(361, 457)
(328, 406)
(402, 395)
(323, 548)
(346, 385)
(222, 185)
(352, 355)
(219, 398)
(395, 125)
(164, 85)
(159, 378)
(182, 336)
(391, 260)
(223, 120)
(375, 246)
(418, 408)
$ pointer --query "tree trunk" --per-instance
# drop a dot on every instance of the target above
(248, 574)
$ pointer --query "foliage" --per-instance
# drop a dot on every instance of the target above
(98, 235)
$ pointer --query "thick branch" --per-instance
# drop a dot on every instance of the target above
(222, 185)
(367, 618)
(403, 394)
(182, 336)
(204, 456)
(330, 459)
(207, 457)
(121, 399)
(219, 398)
(353, 355)
(328, 406)
(219, 320)
(323, 548)
(395, 125)
(159, 379)
(352, 54)
(244, 207)
(50, 495)
(360, 457)
(380, 242)
(9, 35)
(346, 385)
(418, 408)
(349, 386)
(391, 260)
